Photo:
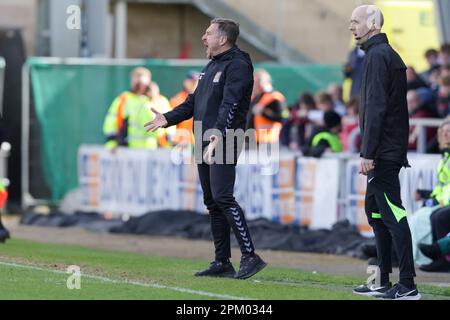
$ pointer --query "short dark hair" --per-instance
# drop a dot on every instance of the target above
(229, 28)
(331, 119)
(431, 52)
(307, 99)
(323, 97)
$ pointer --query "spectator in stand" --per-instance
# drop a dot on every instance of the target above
(440, 228)
(266, 109)
(413, 81)
(437, 250)
(335, 91)
(432, 58)
(444, 54)
(444, 97)
(434, 79)
(325, 138)
(124, 121)
(353, 69)
(324, 103)
(444, 71)
(419, 107)
(297, 130)
(432, 200)
(350, 123)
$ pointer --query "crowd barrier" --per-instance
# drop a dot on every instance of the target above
(302, 191)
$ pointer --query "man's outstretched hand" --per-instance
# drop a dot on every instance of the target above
(159, 122)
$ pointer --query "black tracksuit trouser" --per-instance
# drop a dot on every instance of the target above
(387, 217)
(217, 181)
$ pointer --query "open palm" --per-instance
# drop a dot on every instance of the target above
(159, 122)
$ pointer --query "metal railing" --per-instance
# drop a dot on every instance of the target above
(421, 125)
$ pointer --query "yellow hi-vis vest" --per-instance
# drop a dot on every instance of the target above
(135, 109)
(332, 139)
(442, 191)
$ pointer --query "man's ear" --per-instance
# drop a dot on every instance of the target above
(371, 24)
(223, 40)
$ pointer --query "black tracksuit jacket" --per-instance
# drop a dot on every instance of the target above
(222, 97)
(384, 119)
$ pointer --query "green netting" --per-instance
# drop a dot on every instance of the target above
(71, 102)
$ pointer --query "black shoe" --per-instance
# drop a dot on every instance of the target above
(440, 265)
(431, 251)
(372, 291)
(400, 292)
(4, 234)
(250, 265)
(218, 269)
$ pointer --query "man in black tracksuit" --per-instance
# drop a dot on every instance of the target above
(220, 104)
(384, 127)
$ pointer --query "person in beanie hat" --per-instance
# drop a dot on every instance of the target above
(326, 138)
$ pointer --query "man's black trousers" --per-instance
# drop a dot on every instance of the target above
(387, 217)
(217, 182)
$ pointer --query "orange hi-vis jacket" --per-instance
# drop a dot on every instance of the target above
(268, 131)
(185, 126)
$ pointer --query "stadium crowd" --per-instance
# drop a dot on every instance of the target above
(315, 123)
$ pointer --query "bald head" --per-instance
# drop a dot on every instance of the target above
(366, 21)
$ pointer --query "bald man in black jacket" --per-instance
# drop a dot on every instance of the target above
(384, 124)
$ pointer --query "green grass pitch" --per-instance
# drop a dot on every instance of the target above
(31, 270)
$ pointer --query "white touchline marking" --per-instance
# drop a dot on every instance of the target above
(136, 283)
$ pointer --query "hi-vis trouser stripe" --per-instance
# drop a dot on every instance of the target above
(399, 213)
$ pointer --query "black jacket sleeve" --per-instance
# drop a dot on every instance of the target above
(273, 111)
(238, 78)
(316, 151)
(319, 149)
(376, 105)
(182, 112)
